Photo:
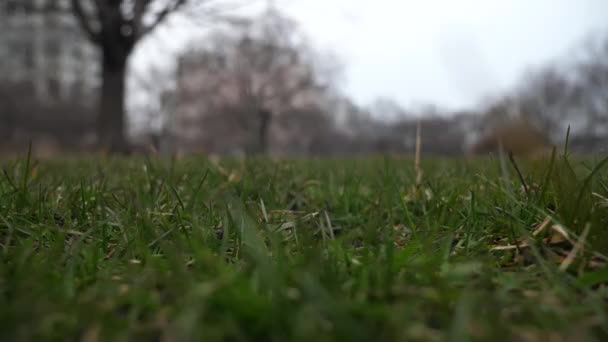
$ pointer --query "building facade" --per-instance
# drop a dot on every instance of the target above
(41, 45)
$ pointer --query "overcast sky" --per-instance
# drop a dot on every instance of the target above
(448, 52)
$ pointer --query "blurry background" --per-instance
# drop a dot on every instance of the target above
(302, 77)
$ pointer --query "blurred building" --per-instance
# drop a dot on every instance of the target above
(247, 85)
(213, 107)
(41, 45)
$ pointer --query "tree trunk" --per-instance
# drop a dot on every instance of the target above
(112, 113)
(265, 118)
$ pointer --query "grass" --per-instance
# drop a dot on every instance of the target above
(123, 249)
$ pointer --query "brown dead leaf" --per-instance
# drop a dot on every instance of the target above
(555, 239)
(91, 334)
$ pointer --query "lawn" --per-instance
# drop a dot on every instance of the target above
(259, 249)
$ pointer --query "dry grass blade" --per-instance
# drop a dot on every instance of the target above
(286, 225)
(329, 226)
(264, 213)
(539, 229)
(509, 247)
(577, 247)
(562, 232)
(519, 174)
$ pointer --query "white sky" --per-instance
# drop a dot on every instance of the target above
(447, 52)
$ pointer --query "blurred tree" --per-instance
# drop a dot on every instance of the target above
(592, 81)
(115, 27)
(263, 67)
(574, 94)
(387, 109)
(544, 98)
(516, 136)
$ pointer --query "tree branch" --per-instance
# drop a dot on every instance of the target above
(162, 16)
(139, 10)
(85, 22)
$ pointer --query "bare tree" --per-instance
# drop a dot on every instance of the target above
(545, 97)
(593, 82)
(115, 27)
(262, 66)
(568, 94)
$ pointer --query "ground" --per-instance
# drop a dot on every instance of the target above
(259, 249)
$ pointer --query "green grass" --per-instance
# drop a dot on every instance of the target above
(111, 249)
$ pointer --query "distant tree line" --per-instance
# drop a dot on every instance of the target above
(257, 85)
